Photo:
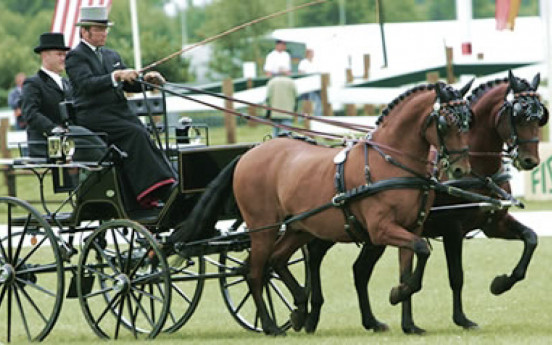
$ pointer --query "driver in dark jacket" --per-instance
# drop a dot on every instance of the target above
(99, 78)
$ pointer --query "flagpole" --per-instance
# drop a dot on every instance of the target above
(135, 36)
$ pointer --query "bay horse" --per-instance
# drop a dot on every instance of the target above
(284, 177)
(498, 120)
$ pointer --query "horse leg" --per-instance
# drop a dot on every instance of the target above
(363, 268)
(286, 245)
(317, 250)
(510, 228)
(261, 248)
(453, 241)
(407, 321)
(411, 283)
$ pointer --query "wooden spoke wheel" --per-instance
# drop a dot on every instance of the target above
(187, 281)
(123, 281)
(31, 274)
(238, 298)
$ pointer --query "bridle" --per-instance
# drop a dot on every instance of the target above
(526, 106)
(455, 112)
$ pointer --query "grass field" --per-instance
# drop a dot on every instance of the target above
(520, 316)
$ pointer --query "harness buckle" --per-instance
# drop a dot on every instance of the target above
(338, 200)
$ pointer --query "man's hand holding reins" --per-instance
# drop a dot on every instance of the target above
(154, 77)
(125, 75)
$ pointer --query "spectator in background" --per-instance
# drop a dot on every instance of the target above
(308, 66)
(281, 94)
(278, 61)
(14, 101)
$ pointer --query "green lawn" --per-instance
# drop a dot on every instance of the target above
(520, 316)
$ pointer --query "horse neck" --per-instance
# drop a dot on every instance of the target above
(401, 130)
(484, 137)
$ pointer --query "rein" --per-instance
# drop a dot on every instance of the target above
(356, 127)
(229, 31)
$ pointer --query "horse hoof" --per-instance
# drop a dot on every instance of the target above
(274, 331)
(398, 294)
(413, 329)
(466, 323)
(297, 319)
(501, 284)
(311, 323)
(376, 326)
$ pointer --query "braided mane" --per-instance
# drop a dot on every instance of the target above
(401, 98)
(483, 88)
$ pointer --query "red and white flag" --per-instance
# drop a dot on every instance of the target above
(67, 13)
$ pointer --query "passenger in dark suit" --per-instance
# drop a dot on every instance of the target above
(99, 78)
(41, 95)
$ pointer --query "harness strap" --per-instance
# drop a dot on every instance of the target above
(352, 225)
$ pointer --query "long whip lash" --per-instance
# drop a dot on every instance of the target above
(227, 32)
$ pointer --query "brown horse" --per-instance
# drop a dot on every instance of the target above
(497, 121)
(284, 177)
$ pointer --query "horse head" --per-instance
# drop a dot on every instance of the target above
(447, 128)
(519, 119)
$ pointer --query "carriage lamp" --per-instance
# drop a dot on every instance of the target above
(54, 147)
(60, 148)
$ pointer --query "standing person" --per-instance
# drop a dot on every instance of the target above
(14, 98)
(41, 95)
(281, 93)
(278, 61)
(99, 78)
(308, 66)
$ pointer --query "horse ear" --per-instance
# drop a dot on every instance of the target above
(466, 87)
(439, 90)
(513, 82)
(536, 81)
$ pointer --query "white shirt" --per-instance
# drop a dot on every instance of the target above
(307, 67)
(53, 75)
(277, 62)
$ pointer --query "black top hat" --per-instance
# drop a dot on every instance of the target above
(51, 41)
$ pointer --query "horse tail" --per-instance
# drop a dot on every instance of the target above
(201, 221)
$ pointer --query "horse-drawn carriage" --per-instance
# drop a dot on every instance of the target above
(93, 247)
(118, 261)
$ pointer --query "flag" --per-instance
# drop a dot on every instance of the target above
(506, 12)
(514, 10)
(67, 13)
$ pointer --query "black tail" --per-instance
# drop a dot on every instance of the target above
(203, 217)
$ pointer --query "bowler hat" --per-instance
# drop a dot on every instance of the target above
(51, 41)
(93, 16)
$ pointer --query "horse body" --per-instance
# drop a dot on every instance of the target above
(284, 177)
(494, 125)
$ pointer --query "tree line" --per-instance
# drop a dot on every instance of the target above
(161, 34)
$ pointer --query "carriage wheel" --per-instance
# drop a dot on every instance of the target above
(238, 298)
(31, 273)
(123, 281)
(187, 281)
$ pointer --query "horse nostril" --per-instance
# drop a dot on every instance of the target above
(529, 162)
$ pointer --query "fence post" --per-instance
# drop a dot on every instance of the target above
(366, 66)
(307, 109)
(9, 177)
(450, 71)
(251, 110)
(432, 77)
(229, 119)
(325, 82)
(350, 109)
